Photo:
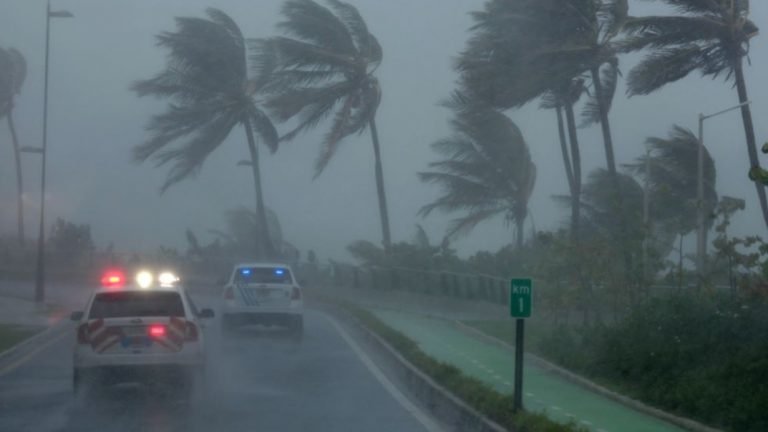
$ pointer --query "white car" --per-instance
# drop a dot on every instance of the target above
(266, 294)
(144, 332)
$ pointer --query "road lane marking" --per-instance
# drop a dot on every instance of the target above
(13, 366)
(409, 406)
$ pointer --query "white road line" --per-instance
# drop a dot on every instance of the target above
(422, 418)
(508, 383)
(556, 408)
(528, 394)
(587, 422)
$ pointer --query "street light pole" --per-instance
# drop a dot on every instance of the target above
(40, 272)
(701, 232)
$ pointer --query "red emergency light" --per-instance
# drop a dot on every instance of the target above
(113, 279)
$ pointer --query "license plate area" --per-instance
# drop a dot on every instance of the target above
(135, 331)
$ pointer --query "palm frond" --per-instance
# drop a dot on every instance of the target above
(309, 21)
(487, 170)
(664, 66)
(355, 24)
(709, 7)
(463, 225)
(665, 31)
(334, 136)
(300, 54)
(264, 128)
(188, 158)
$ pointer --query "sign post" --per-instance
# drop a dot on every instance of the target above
(520, 307)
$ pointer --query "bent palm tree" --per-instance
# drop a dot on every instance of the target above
(522, 50)
(709, 36)
(487, 172)
(13, 72)
(206, 79)
(671, 180)
(326, 68)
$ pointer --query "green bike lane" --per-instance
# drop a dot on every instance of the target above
(558, 398)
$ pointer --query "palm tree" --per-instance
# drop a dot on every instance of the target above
(487, 172)
(13, 72)
(206, 80)
(325, 67)
(521, 49)
(671, 182)
(559, 49)
(711, 37)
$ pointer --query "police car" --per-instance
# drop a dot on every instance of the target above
(148, 331)
(266, 294)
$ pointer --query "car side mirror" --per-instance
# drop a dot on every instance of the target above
(76, 315)
(206, 313)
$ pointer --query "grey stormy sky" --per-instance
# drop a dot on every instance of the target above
(95, 120)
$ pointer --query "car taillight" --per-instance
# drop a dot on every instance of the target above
(229, 294)
(296, 293)
(82, 334)
(192, 332)
(157, 331)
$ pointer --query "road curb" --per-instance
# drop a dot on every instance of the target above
(682, 422)
(441, 403)
(30, 343)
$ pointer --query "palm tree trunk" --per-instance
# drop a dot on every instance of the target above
(604, 124)
(749, 130)
(520, 224)
(610, 160)
(383, 211)
(266, 248)
(564, 147)
(576, 164)
(680, 264)
(19, 179)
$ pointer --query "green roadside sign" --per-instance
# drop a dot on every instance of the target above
(521, 298)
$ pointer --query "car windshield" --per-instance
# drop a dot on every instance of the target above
(263, 275)
(136, 304)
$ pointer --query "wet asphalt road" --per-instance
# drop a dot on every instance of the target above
(257, 381)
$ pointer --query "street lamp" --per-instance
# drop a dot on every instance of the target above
(701, 232)
(40, 273)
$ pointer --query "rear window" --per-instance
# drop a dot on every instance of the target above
(263, 275)
(137, 304)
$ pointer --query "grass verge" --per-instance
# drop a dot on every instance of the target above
(11, 334)
(496, 406)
